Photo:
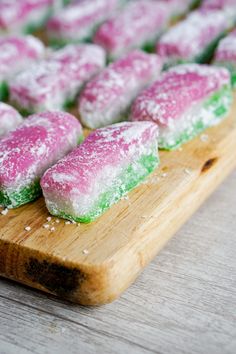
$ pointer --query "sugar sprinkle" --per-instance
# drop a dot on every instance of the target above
(4, 211)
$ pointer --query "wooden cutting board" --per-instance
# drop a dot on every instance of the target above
(93, 264)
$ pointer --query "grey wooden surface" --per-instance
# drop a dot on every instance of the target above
(184, 302)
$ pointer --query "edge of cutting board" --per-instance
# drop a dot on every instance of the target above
(93, 264)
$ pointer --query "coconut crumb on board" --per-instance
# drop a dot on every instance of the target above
(27, 228)
(204, 138)
(4, 211)
(188, 171)
(164, 175)
(85, 251)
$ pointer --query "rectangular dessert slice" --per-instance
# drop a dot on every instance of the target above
(78, 21)
(138, 25)
(53, 84)
(16, 53)
(9, 119)
(28, 151)
(106, 99)
(195, 38)
(226, 55)
(24, 16)
(186, 100)
(107, 165)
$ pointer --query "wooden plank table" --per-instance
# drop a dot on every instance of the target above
(184, 302)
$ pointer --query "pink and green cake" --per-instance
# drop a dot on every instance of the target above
(54, 84)
(106, 99)
(138, 25)
(185, 101)
(16, 53)
(103, 169)
(29, 150)
(195, 38)
(78, 21)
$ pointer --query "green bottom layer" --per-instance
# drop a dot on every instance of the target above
(218, 104)
(25, 112)
(4, 91)
(25, 195)
(233, 79)
(232, 69)
(129, 179)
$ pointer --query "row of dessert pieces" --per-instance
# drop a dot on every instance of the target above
(55, 82)
(80, 182)
(27, 16)
(79, 20)
(143, 23)
(119, 25)
(107, 95)
(146, 24)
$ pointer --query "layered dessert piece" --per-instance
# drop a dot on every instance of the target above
(24, 16)
(16, 53)
(226, 55)
(106, 99)
(195, 38)
(78, 21)
(53, 84)
(9, 119)
(107, 165)
(186, 100)
(28, 151)
(138, 25)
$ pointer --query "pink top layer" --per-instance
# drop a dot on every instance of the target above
(119, 83)
(114, 146)
(190, 37)
(78, 19)
(16, 52)
(13, 12)
(9, 118)
(219, 4)
(82, 57)
(226, 50)
(176, 91)
(39, 142)
(63, 74)
(135, 25)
